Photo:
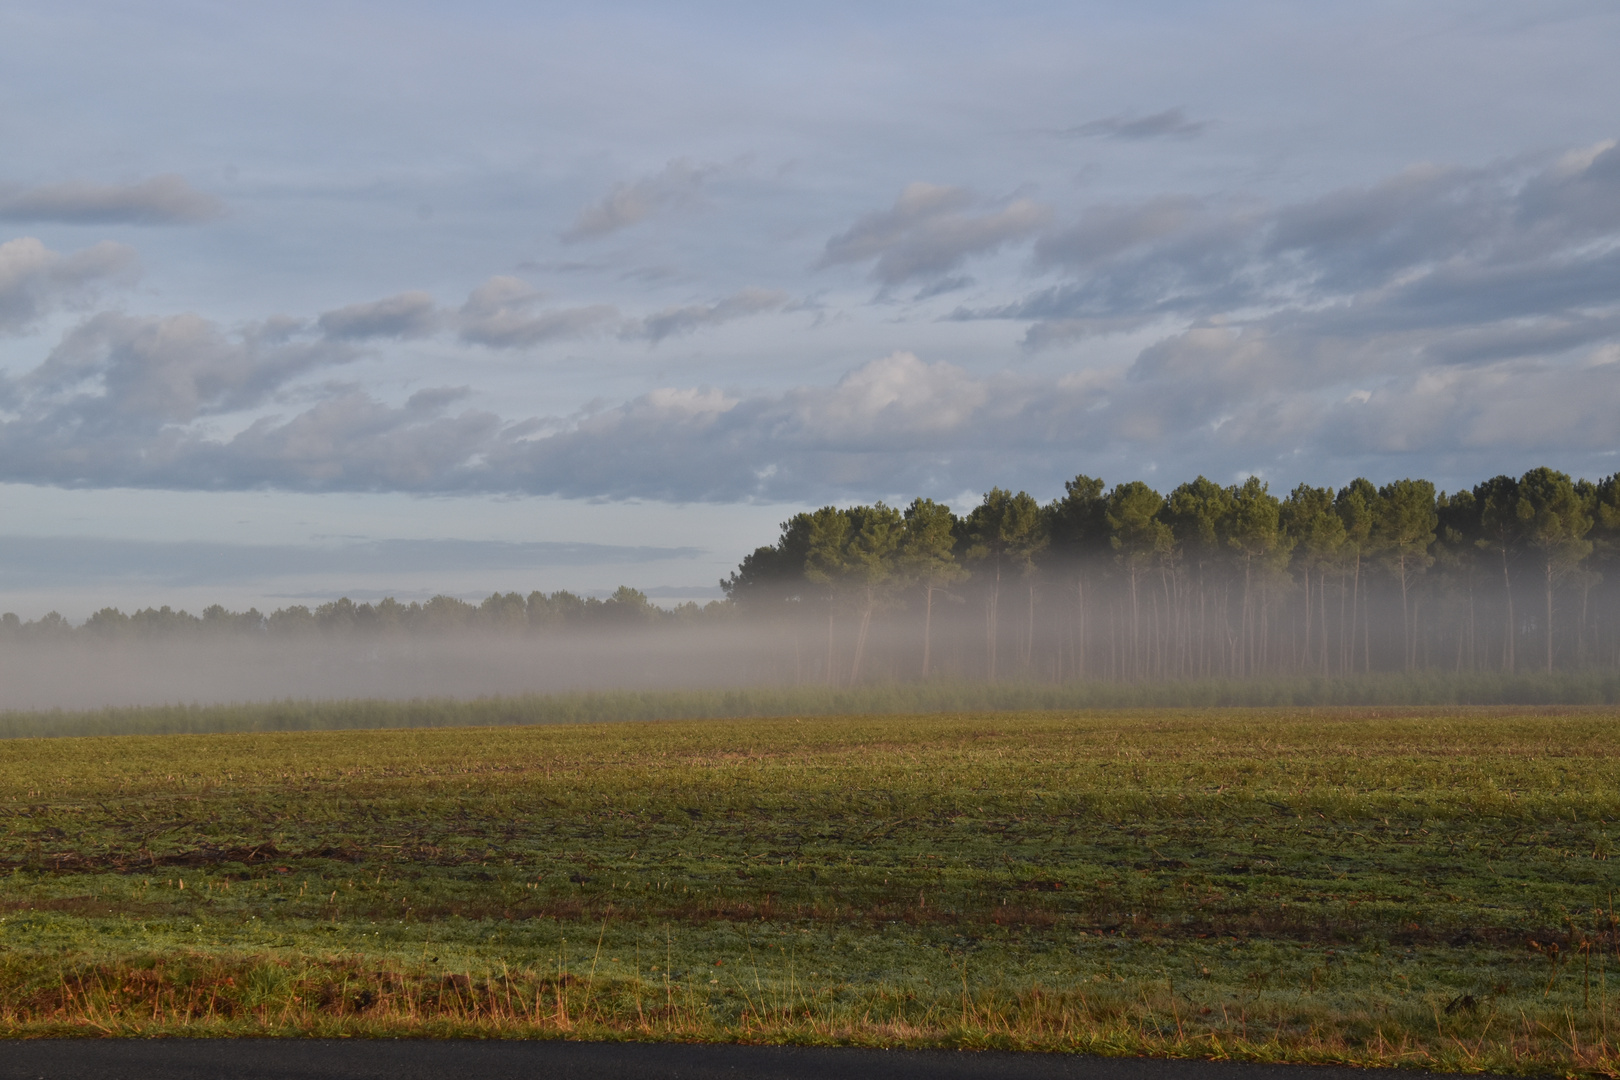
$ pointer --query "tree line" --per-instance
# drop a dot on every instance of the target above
(1121, 583)
(500, 613)
(1206, 581)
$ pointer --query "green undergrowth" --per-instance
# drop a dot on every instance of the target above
(1428, 887)
(1399, 689)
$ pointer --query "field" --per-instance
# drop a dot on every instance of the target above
(1427, 887)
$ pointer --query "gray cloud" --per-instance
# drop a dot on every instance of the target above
(1170, 124)
(1216, 400)
(684, 320)
(162, 200)
(35, 280)
(1104, 232)
(679, 184)
(147, 373)
(1437, 264)
(930, 231)
(502, 314)
(123, 397)
(408, 315)
(944, 285)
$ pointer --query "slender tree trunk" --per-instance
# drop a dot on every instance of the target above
(1246, 623)
(831, 679)
(1366, 624)
(1473, 657)
(928, 624)
(860, 642)
(1136, 629)
(1080, 645)
(1029, 634)
(1343, 606)
(1355, 607)
(992, 619)
(1580, 627)
(1321, 609)
(1549, 613)
(1512, 628)
(1406, 628)
(1305, 650)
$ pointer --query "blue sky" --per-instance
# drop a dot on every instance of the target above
(307, 299)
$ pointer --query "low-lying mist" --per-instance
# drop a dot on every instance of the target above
(95, 674)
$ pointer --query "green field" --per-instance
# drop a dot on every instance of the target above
(1418, 886)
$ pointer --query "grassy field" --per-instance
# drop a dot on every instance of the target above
(1429, 887)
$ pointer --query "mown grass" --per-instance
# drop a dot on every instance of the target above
(1376, 886)
(1593, 687)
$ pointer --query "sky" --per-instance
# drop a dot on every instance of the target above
(304, 300)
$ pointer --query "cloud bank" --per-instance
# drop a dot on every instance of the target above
(162, 200)
(1445, 320)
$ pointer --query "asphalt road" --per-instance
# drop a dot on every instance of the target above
(342, 1059)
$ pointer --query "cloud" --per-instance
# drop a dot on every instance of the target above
(1212, 400)
(119, 372)
(678, 184)
(34, 280)
(1447, 320)
(1439, 264)
(944, 285)
(162, 200)
(501, 313)
(408, 315)
(1104, 232)
(930, 231)
(1170, 124)
(684, 320)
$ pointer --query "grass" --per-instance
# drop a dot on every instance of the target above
(1594, 687)
(1414, 886)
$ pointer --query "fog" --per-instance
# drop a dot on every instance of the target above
(93, 674)
(1082, 621)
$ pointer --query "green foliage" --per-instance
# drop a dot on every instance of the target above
(928, 545)
(1138, 533)
(1005, 530)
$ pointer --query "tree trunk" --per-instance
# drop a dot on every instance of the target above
(1029, 636)
(860, 642)
(831, 679)
(1080, 645)
(1305, 650)
(992, 621)
(1512, 628)
(1549, 613)
(928, 624)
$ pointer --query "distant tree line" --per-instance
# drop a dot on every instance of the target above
(1207, 581)
(501, 613)
(1123, 583)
